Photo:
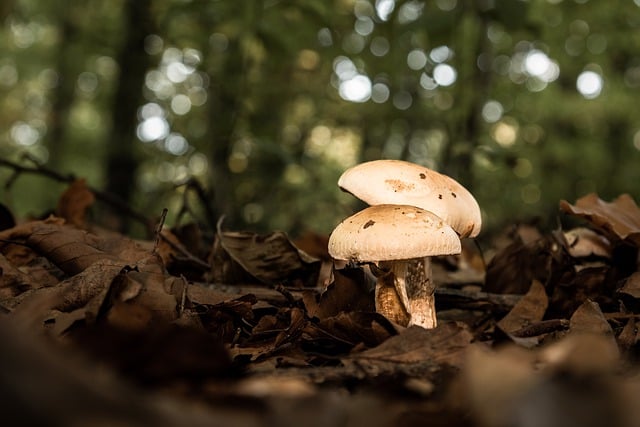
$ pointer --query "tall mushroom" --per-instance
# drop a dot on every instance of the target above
(404, 183)
(397, 182)
(395, 238)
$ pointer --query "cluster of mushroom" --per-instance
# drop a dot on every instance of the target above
(415, 213)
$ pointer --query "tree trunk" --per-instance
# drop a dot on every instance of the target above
(473, 88)
(227, 93)
(224, 108)
(134, 62)
(64, 94)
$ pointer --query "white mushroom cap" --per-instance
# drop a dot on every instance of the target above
(404, 183)
(392, 232)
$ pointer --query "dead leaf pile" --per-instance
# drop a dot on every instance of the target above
(248, 329)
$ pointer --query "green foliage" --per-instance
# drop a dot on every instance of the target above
(259, 100)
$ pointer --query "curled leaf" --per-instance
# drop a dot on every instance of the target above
(620, 218)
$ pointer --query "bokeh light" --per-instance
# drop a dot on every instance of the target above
(589, 84)
(444, 74)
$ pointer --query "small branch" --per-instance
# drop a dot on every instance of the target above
(541, 328)
(105, 197)
(163, 217)
(187, 256)
(457, 297)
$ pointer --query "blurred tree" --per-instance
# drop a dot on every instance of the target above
(67, 74)
(122, 158)
(266, 103)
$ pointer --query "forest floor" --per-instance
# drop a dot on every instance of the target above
(202, 327)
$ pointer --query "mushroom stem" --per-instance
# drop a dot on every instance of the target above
(420, 291)
(409, 300)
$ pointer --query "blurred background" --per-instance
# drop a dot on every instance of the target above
(257, 106)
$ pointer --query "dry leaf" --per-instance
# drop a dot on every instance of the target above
(74, 203)
(72, 249)
(631, 286)
(572, 290)
(512, 269)
(528, 310)
(348, 292)
(270, 258)
(588, 318)
(496, 382)
(584, 242)
(567, 383)
(620, 218)
(444, 345)
(581, 353)
(76, 298)
(340, 333)
(12, 280)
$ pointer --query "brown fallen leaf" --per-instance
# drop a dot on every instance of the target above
(493, 383)
(74, 203)
(129, 297)
(444, 345)
(270, 258)
(348, 292)
(202, 294)
(530, 309)
(589, 283)
(71, 300)
(583, 242)
(13, 281)
(619, 218)
(588, 318)
(570, 382)
(631, 286)
(73, 249)
(628, 338)
(339, 334)
(43, 383)
(13, 241)
(158, 355)
(538, 257)
(227, 319)
(581, 353)
(137, 299)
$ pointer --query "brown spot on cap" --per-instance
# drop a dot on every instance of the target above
(397, 185)
(453, 194)
(423, 176)
(440, 196)
(369, 224)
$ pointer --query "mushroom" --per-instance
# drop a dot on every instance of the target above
(398, 239)
(398, 182)
(404, 183)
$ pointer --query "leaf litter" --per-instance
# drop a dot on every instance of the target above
(249, 329)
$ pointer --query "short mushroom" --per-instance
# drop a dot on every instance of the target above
(404, 183)
(398, 238)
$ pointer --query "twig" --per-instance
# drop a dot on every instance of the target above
(163, 217)
(541, 328)
(105, 197)
(504, 301)
(201, 194)
(183, 298)
(188, 256)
